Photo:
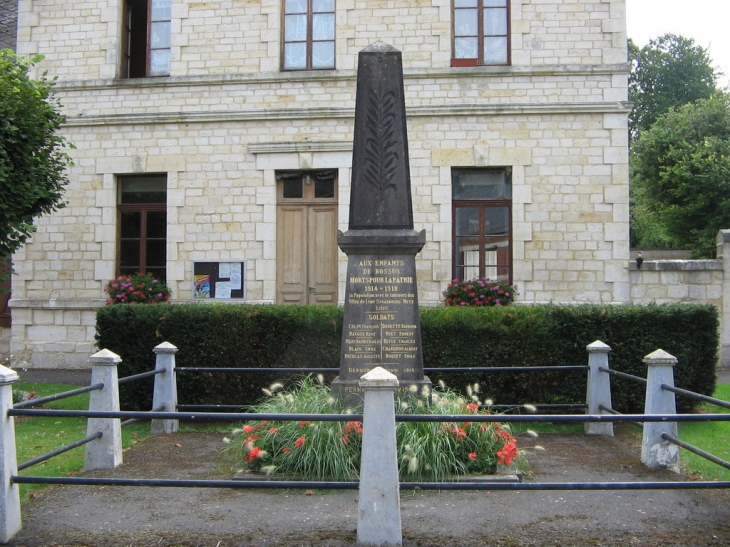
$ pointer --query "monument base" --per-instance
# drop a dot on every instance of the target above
(350, 392)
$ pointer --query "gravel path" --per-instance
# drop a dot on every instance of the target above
(141, 516)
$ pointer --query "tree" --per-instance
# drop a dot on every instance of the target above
(680, 173)
(668, 72)
(32, 157)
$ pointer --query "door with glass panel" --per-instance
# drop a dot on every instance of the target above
(306, 238)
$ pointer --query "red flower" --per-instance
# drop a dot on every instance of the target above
(248, 429)
(253, 454)
(472, 407)
(286, 450)
(300, 441)
(352, 426)
(460, 433)
(504, 434)
(508, 452)
(345, 439)
(273, 430)
(472, 455)
(304, 423)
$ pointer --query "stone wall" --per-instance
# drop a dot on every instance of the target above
(227, 118)
(697, 281)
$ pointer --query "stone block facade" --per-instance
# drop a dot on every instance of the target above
(228, 118)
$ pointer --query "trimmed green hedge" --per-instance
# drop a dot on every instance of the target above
(222, 335)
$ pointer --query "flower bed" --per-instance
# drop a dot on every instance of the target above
(430, 451)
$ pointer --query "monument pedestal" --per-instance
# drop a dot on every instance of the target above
(381, 325)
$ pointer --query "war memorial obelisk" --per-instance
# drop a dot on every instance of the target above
(381, 322)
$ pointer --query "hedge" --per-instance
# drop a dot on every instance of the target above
(224, 335)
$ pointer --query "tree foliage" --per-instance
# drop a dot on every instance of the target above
(32, 157)
(680, 173)
(668, 72)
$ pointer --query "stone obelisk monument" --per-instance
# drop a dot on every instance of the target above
(381, 324)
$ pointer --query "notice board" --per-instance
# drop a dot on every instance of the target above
(219, 280)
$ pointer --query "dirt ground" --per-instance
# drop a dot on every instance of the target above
(104, 516)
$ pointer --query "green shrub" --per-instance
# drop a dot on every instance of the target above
(223, 335)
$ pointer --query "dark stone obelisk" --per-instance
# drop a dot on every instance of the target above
(381, 322)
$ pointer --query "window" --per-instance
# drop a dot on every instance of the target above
(147, 38)
(481, 32)
(142, 221)
(309, 34)
(482, 222)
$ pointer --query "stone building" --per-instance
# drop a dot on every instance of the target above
(216, 137)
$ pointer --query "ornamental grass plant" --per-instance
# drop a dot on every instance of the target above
(323, 450)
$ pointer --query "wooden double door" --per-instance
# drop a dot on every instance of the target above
(306, 238)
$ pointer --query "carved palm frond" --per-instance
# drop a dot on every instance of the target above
(381, 141)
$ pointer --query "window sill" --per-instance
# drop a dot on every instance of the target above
(456, 63)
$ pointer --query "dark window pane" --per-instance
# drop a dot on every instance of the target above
(157, 224)
(130, 224)
(293, 188)
(143, 189)
(159, 273)
(129, 254)
(481, 185)
(155, 256)
(467, 221)
(496, 220)
(324, 189)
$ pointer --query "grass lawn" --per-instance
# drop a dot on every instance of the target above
(36, 436)
(712, 437)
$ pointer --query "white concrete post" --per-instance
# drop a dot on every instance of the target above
(657, 453)
(105, 452)
(10, 522)
(723, 251)
(378, 512)
(599, 388)
(165, 393)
